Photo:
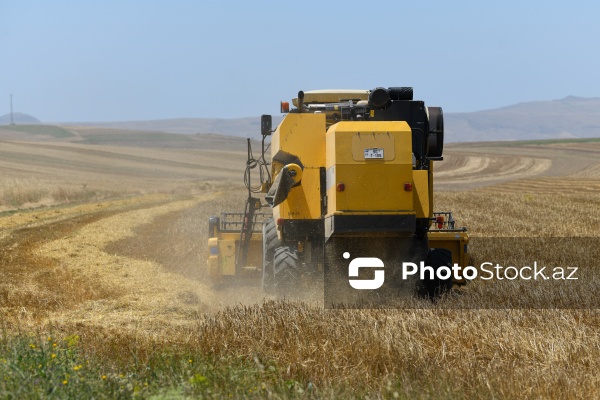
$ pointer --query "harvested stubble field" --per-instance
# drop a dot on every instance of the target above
(107, 296)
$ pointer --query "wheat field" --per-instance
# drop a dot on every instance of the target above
(123, 272)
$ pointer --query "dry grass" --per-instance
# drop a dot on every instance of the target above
(473, 354)
(36, 174)
(526, 213)
(130, 282)
(19, 193)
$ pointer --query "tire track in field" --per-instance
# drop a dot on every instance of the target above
(474, 171)
(149, 297)
(591, 171)
(178, 242)
(548, 185)
(31, 285)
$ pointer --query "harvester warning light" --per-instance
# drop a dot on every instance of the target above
(440, 221)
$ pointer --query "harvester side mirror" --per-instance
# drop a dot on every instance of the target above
(266, 123)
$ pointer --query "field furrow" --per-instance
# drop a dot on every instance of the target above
(119, 262)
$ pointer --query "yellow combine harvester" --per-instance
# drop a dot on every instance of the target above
(350, 176)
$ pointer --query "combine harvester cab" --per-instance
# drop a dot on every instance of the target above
(350, 176)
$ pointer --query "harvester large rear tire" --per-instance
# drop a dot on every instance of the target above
(270, 242)
(436, 287)
(286, 274)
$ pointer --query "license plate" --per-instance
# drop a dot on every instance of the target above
(373, 154)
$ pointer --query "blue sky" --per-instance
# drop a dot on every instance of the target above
(136, 60)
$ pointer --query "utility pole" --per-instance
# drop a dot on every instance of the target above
(12, 120)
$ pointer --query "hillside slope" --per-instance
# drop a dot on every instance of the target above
(571, 117)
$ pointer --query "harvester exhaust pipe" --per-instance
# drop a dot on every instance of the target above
(300, 101)
(380, 98)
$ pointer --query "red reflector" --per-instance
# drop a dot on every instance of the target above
(280, 221)
(340, 187)
(408, 187)
(440, 221)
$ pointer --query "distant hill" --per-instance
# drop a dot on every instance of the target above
(571, 117)
(34, 132)
(19, 118)
(240, 127)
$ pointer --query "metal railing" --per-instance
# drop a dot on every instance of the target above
(444, 221)
(233, 221)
